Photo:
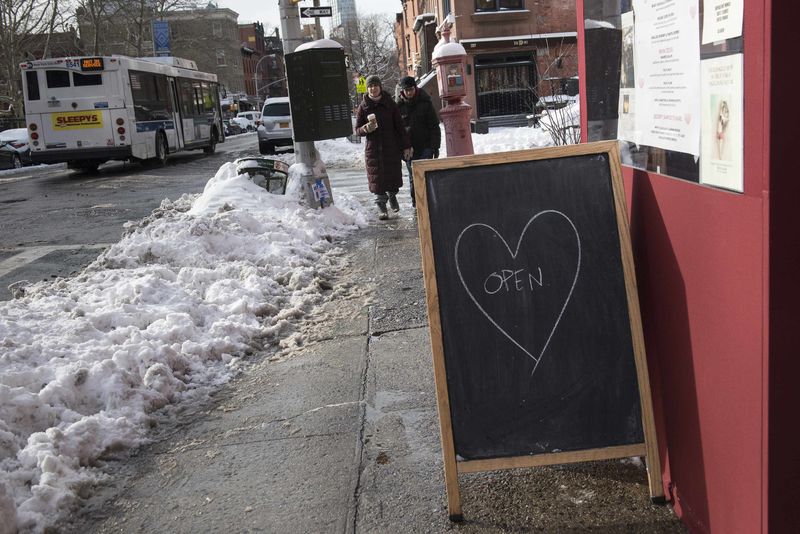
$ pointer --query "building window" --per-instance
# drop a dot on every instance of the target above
(220, 58)
(506, 85)
(498, 5)
(445, 8)
(216, 28)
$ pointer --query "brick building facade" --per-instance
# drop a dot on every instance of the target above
(210, 37)
(518, 50)
(253, 51)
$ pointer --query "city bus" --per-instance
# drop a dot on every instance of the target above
(88, 110)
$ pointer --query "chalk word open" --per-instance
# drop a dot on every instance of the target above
(498, 281)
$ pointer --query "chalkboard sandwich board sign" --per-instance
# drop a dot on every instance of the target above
(534, 317)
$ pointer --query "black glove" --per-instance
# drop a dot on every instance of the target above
(435, 153)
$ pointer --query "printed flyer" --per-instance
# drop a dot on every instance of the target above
(722, 145)
(722, 19)
(667, 59)
(626, 126)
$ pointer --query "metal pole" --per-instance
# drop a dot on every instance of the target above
(317, 27)
(255, 74)
(255, 79)
(305, 152)
(290, 26)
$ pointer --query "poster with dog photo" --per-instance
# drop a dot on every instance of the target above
(721, 145)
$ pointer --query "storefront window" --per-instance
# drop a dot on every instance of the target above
(671, 95)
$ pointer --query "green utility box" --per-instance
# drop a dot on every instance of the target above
(318, 94)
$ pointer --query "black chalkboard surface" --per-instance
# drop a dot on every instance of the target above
(533, 310)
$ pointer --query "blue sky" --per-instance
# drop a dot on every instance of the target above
(266, 11)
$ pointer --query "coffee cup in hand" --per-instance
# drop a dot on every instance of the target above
(372, 125)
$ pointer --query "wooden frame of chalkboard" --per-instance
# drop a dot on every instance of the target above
(536, 335)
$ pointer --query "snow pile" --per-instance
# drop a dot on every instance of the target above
(568, 116)
(161, 317)
(504, 139)
(335, 153)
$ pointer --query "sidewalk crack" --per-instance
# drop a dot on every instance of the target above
(359, 453)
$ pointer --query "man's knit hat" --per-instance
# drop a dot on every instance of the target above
(373, 79)
(407, 82)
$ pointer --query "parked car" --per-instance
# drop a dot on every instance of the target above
(249, 120)
(14, 149)
(231, 128)
(276, 125)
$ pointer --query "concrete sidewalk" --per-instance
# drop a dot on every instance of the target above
(343, 437)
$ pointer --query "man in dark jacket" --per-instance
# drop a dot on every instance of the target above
(421, 122)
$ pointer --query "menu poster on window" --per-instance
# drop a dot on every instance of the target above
(722, 19)
(626, 126)
(667, 50)
(722, 145)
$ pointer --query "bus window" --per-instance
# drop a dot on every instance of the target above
(57, 78)
(209, 98)
(198, 98)
(151, 100)
(214, 95)
(187, 98)
(82, 80)
(32, 81)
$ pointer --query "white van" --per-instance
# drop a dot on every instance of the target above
(249, 120)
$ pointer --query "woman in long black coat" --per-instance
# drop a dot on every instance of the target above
(387, 145)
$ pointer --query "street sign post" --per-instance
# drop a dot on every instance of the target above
(314, 12)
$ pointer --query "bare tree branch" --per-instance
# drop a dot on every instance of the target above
(21, 24)
(369, 41)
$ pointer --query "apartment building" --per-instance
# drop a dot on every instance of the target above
(210, 37)
(517, 50)
(253, 52)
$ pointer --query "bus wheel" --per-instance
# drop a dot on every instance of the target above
(161, 150)
(212, 143)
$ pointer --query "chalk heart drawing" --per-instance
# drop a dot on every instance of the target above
(687, 117)
(641, 83)
(533, 353)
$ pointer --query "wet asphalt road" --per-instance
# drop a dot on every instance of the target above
(55, 221)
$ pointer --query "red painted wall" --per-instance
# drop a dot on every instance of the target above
(718, 285)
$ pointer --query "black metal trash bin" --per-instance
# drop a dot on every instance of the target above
(271, 174)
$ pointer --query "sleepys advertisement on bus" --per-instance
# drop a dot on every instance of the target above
(74, 120)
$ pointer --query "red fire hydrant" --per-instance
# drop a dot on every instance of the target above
(450, 60)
